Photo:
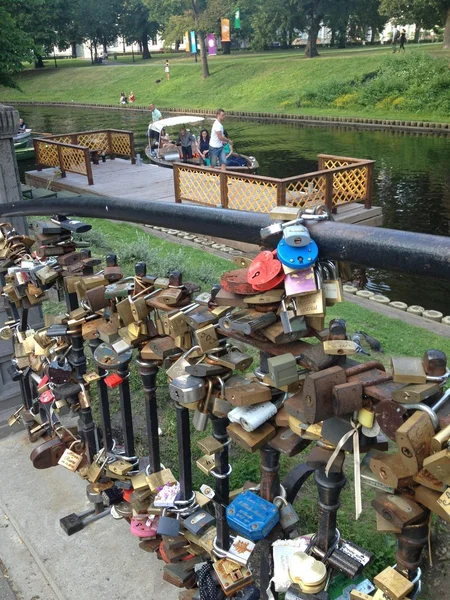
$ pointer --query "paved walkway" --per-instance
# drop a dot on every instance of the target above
(103, 561)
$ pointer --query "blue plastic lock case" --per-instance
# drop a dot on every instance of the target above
(252, 516)
(297, 258)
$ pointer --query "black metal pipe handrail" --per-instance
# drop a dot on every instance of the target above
(408, 252)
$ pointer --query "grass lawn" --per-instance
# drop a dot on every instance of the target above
(354, 82)
(131, 244)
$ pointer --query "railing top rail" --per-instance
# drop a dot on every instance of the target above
(346, 158)
(91, 131)
(230, 173)
(55, 143)
(324, 172)
(389, 249)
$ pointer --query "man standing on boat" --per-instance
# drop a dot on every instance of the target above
(156, 116)
(217, 140)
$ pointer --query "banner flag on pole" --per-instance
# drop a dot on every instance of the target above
(211, 43)
(193, 43)
(186, 42)
(225, 23)
(237, 19)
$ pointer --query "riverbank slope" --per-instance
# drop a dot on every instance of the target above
(368, 82)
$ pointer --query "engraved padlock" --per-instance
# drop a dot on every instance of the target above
(332, 283)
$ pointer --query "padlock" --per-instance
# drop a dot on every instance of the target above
(71, 460)
(113, 380)
(332, 283)
(435, 363)
(300, 283)
(187, 389)
(59, 371)
(407, 369)
(296, 235)
(178, 368)
(246, 321)
(265, 271)
(168, 525)
(307, 572)
(234, 359)
(95, 469)
(252, 516)
(242, 392)
(297, 257)
(282, 369)
(200, 418)
(231, 576)
(271, 297)
(312, 304)
(288, 515)
(207, 338)
(112, 272)
(393, 584)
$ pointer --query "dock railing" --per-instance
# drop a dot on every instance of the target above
(339, 180)
(71, 152)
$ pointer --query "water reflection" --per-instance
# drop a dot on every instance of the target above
(412, 173)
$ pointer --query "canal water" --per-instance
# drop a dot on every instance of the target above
(412, 174)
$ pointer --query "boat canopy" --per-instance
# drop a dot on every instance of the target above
(174, 121)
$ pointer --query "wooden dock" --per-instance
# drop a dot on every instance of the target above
(149, 183)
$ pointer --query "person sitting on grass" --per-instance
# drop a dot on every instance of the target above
(123, 98)
(131, 97)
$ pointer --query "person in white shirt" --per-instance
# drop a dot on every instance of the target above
(156, 116)
(217, 140)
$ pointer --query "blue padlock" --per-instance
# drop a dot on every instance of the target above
(297, 258)
(252, 516)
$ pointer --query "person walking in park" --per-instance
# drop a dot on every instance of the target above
(402, 40)
(167, 70)
(217, 140)
(395, 37)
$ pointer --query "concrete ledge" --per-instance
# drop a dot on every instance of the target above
(393, 313)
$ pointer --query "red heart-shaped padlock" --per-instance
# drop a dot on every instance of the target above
(265, 272)
(236, 282)
(47, 397)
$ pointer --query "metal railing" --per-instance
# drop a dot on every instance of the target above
(339, 180)
(71, 152)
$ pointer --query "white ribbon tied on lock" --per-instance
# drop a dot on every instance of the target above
(282, 552)
(356, 460)
(251, 417)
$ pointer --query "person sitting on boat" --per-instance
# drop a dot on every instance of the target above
(204, 148)
(22, 126)
(185, 139)
(232, 159)
(123, 98)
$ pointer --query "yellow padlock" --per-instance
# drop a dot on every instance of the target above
(366, 417)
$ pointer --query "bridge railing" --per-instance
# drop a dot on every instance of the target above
(71, 152)
(339, 180)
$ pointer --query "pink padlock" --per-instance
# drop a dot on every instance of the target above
(47, 397)
(144, 528)
(300, 283)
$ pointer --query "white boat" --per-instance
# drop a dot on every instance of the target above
(22, 136)
(164, 151)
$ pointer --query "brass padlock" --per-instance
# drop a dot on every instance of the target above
(413, 439)
(207, 338)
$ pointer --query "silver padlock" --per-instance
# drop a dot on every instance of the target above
(288, 515)
(201, 414)
(187, 389)
(296, 235)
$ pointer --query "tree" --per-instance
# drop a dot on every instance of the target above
(137, 25)
(15, 46)
(200, 16)
(98, 22)
(424, 13)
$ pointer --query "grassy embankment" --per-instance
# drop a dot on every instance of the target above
(369, 82)
(396, 337)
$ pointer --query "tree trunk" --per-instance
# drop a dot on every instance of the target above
(333, 38)
(74, 49)
(417, 34)
(447, 30)
(38, 62)
(145, 50)
(105, 46)
(95, 53)
(204, 53)
(311, 44)
(373, 33)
